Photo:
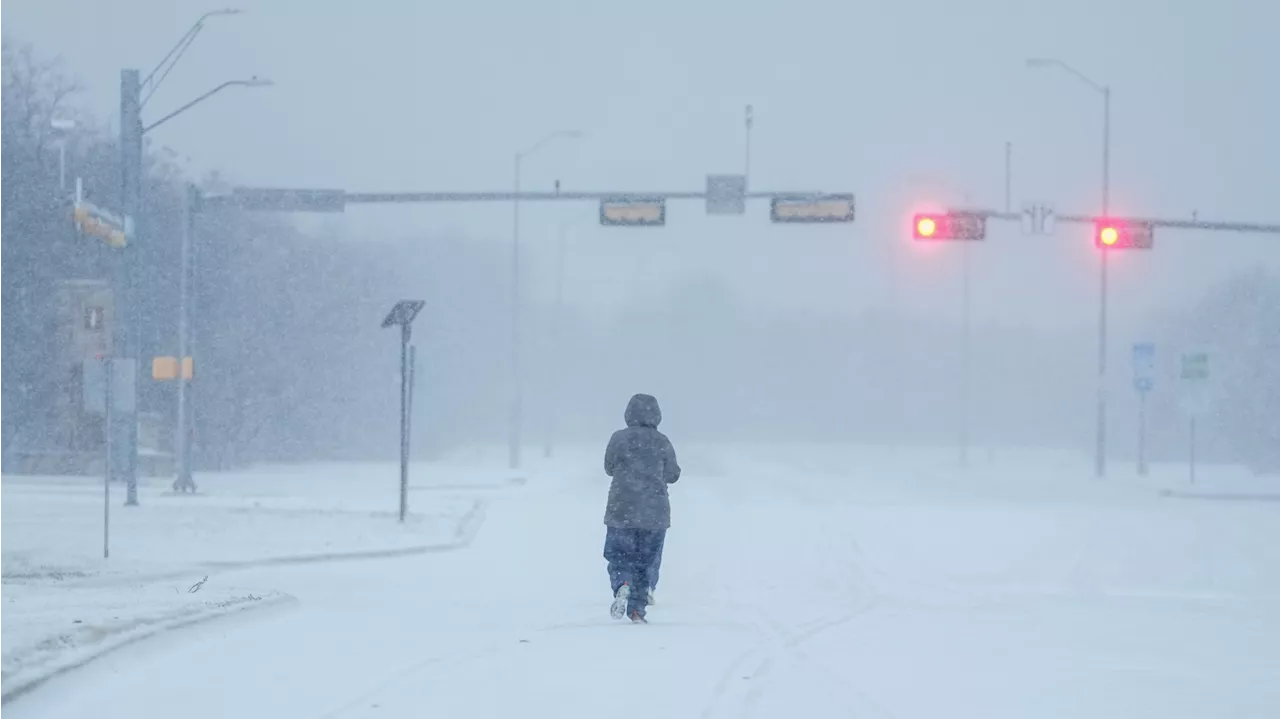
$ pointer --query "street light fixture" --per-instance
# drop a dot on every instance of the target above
(516, 418)
(254, 81)
(1100, 460)
(176, 52)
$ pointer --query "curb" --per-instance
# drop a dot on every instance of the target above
(464, 533)
(128, 638)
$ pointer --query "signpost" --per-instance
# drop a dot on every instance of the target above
(1144, 370)
(1038, 219)
(96, 388)
(1195, 386)
(726, 194)
(108, 370)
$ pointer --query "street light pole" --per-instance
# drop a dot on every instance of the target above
(516, 418)
(555, 355)
(1100, 449)
(516, 410)
(126, 340)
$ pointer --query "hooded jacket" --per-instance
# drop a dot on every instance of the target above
(642, 462)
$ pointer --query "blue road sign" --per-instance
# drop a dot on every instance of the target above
(1144, 366)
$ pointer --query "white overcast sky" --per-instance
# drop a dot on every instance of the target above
(905, 103)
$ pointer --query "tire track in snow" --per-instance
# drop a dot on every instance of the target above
(741, 685)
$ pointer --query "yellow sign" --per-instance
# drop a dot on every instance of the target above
(99, 223)
(642, 212)
(166, 368)
(822, 208)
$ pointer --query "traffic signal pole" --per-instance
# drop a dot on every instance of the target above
(1100, 462)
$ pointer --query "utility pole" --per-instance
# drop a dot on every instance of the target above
(181, 446)
(749, 120)
(125, 339)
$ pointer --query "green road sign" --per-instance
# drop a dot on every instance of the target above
(1195, 366)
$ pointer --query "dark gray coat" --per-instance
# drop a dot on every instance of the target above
(642, 463)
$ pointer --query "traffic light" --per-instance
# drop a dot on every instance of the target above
(949, 226)
(1117, 234)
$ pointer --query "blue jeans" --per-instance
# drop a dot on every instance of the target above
(657, 564)
(632, 554)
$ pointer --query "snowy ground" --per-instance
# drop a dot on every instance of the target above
(798, 581)
(171, 556)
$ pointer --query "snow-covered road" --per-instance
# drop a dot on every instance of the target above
(793, 585)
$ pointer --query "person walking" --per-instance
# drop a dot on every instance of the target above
(642, 463)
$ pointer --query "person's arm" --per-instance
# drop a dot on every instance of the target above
(670, 467)
(611, 455)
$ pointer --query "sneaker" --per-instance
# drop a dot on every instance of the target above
(638, 618)
(649, 599)
(619, 608)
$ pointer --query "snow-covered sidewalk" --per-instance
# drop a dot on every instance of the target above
(50, 628)
(170, 557)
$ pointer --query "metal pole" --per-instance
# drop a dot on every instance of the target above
(1193, 449)
(183, 481)
(964, 362)
(413, 382)
(62, 165)
(1101, 449)
(404, 419)
(1142, 434)
(110, 461)
(513, 441)
(1008, 177)
(126, 339)
(555, 355)
(746, 171)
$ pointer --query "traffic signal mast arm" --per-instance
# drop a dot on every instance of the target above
(1262, 228)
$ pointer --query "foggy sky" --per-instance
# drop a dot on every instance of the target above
(906, 104)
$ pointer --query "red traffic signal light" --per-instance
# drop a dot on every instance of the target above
(949, 226)
(1117, 234)
(926, 226)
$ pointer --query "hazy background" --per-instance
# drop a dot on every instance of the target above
(744, 330)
